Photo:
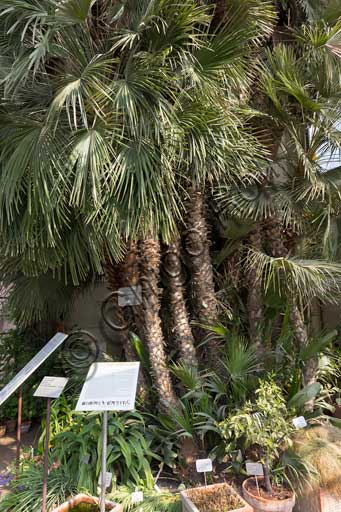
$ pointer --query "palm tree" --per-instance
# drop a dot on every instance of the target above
(100, 136)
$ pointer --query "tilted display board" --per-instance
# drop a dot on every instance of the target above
(31, 367)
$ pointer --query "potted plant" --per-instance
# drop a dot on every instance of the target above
(29, 411)
(2, 425)
(320, 447)
(213, 498)
(10, 413)
(265, 426)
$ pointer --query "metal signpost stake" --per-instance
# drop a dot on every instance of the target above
(19, 431)
(49, 388)
(46, 454)
(104, 459)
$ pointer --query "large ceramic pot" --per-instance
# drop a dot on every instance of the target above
(81, 499)
(188, 505)
(3, 430)
(260, 504)
(11, 426)
(26, 426)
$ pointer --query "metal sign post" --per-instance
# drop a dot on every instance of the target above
(50, 387)
(46, 454)
(19, 431)
(104, 459)
(108, 387)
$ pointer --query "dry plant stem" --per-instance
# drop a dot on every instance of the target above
(267, 480)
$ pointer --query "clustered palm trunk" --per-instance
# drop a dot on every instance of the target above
(255, 297)
(177, 303)
(150, 276)
(197, 252)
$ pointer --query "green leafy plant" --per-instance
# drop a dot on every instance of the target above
(76, 443)
(153, 501)
(265, 424)
(26, 490)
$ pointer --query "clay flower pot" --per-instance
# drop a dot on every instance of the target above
(26, 426)
(189, 506)
(3, 430)
(11, 424)
(261, 504)
(81, 499)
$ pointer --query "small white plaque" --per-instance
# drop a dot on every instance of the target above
(51, 387)
(204, 465)
(254, 469)
(86, 459)
(137, 497)
(300, 422)
(130, 296)
(109, 387)
(108, 478)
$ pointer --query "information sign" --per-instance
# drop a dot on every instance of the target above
(109, 387)
(31, 367)
(300, 422)
(51, 387)
(108, 478)
(204, 465)
(130, 296)
(254, 469)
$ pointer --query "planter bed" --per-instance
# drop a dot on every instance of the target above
(213, 498)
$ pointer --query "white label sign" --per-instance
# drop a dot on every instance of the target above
(130, 296)
(137, 497)
(204, 465)
(109, 387)
(31, 367)
(254, 469)
(86, 458)
(108, 478)
(51, 387)
(300, 422)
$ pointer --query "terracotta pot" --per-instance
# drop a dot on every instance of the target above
(85, 499)
(26, 426)
(260, 504)
(337, 413)
(11, 425)
(317, 501)
(188, 505)
(3, 430)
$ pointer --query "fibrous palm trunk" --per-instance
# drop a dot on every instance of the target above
(118, 323)
(180, 320)
(255, 298)
(130, 318)
(150, 270)
(202, 276)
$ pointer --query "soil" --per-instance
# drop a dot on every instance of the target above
(85, 508)
(219, 499)
(279, 493)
